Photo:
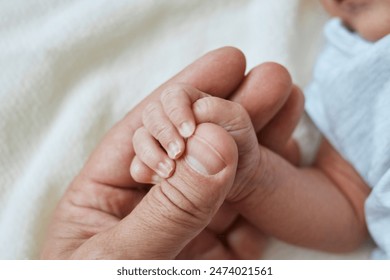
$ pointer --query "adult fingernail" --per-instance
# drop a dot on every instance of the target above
(186, 129)
(173, 150)
(202, 157)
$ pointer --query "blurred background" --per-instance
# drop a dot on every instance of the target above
(71, 69)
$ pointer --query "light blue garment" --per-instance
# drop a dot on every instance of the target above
(349, 101)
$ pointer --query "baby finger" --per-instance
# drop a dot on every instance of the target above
(141, 173)
(150, 153)
(162, 129)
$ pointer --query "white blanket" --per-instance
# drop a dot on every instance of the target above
(71, 68)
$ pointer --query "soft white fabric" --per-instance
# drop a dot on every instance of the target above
(308, 137)
(71, 68)
(349, 101)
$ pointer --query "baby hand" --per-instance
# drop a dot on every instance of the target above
(161, 140)
(168, 122)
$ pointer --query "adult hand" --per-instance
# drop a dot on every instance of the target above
(105, 214)
(274, 106)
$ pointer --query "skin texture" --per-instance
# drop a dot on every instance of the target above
(105, 214)
(291, 193)
(369, 18)
(164, 118)
(320, 207)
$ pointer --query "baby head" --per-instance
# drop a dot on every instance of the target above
(369, 18)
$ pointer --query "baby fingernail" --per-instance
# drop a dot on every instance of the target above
(186, 129)
(164, 169)
(156, 179)
(173, 150)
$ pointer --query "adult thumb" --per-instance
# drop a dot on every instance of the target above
(178, 209)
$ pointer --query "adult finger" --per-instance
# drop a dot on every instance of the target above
(264, 92)
(177, 210)
(246, 241)
(275, 106)
(234, 119)
(218, 73)
(207, 246)
(278, 131)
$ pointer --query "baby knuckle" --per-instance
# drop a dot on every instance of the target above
(204, 106)
(175, 113)
(150, 110)
(239, 109)
(171, 91)
(136, 173)
(146, 154)
(139, 135)
(240, 119)
(161, 131)
(243, 113)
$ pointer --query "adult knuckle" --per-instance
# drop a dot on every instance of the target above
(177, 207)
